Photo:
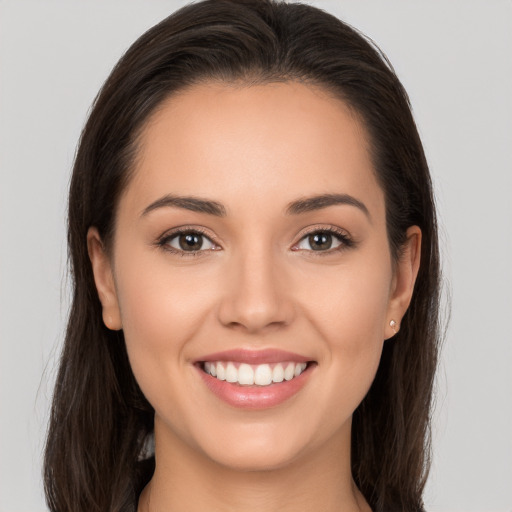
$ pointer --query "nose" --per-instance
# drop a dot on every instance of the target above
(256, 295)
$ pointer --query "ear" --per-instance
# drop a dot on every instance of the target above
(104, 280)
(406, 271)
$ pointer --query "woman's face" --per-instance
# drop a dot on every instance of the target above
(250, 243)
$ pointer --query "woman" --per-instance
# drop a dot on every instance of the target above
(254, 252)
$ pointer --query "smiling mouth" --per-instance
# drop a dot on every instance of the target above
(256, 375)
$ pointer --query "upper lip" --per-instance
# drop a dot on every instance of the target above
(268, 355)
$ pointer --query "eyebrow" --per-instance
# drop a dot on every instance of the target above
(215, 208)
(194, 204)
(309, 204)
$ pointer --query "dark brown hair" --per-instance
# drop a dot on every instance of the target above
(100, 420)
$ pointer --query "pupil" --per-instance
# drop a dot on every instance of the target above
(320, 241)
(191, 242)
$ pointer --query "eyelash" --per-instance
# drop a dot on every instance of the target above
(163, 241)
(345, 240)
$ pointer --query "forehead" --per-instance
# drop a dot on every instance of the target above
(260, 144)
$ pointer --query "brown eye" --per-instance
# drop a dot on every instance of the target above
(190, 241)
(320, 241)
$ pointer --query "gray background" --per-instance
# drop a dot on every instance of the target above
(454, 58)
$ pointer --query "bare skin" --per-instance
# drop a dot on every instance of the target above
(257, 278)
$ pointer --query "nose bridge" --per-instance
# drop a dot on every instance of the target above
(256, 295)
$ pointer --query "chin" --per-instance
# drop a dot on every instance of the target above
(258, 446)
(246, 459)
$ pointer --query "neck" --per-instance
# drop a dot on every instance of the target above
(186, 479)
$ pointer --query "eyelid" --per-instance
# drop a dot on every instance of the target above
(163, 240)
(339, 233)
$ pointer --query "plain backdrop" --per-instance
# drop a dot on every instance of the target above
(455, 60)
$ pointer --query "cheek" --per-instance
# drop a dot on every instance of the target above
(349, 309)
(161, 310)
(349, 305)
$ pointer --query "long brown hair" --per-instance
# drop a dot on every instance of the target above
(100, 420)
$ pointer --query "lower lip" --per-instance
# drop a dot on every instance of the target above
(255, 397)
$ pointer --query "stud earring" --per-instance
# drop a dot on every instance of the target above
(394, 326)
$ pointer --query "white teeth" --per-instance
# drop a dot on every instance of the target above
(245, 375)
(263, 375)
(250, 375)
(289, 372)
(221, 372)
(299, 368)
(210, 368)
(278, 373)
(231, 373)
